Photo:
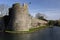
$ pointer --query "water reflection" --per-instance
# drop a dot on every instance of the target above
(21, 37)
(45, 34)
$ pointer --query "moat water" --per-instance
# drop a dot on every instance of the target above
(45, 34)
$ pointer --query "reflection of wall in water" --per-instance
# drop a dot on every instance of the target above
(22, 37)
(1, 23)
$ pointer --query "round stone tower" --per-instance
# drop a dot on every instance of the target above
(21, 20)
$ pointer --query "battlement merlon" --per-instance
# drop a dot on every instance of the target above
(16, 5)
(25, 6)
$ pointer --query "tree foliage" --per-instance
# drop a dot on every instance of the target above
(40, 16)
(54, 22)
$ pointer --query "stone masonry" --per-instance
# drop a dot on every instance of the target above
(20, 19)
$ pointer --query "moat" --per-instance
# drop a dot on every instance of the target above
(45, 34)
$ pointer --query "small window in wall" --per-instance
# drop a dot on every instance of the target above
(39, 24)
(16, 24)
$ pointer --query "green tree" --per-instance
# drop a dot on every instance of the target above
(40, 16)
(51, 22)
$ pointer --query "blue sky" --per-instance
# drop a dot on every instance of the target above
(51, 8)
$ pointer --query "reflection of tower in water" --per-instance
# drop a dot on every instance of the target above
(22, 37)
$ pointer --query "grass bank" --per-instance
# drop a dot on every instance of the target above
(30, 30)
(38, 28)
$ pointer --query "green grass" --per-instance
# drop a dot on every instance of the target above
(30, 30)
(38, 28)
